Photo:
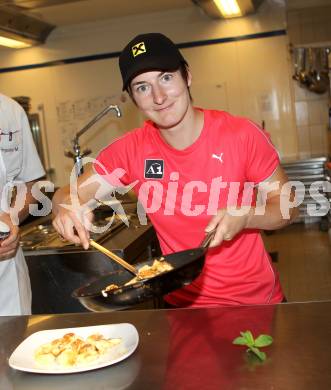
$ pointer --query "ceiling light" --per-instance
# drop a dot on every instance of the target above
(228, 8)
(13, 43)
(18, 30)
(218, 9)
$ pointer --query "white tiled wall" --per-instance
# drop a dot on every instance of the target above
(304, 141)
(311, 27)
(311, 112)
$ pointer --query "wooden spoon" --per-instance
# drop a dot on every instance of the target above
(114, 257)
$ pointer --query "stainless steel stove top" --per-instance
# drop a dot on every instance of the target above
(41, 235)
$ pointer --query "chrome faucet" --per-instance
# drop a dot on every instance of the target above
(76, 154)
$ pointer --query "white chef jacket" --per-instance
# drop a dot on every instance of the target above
(19, 161)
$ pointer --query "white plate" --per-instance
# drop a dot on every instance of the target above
(23, 356)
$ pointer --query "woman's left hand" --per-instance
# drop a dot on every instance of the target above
(227, 225)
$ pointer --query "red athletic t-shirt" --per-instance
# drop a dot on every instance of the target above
(181, 191)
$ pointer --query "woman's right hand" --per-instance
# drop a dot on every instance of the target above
(73, 205)
(72, 222)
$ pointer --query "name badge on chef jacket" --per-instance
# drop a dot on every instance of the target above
(8, 140)
(154, 169)
(11, 150)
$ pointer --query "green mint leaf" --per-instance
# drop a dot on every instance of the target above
(261, 355)
(249, 337)
(263, 340)
(239, 341)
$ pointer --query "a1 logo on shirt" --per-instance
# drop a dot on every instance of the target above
(154, 169)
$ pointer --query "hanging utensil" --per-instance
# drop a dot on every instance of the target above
(304, 66)
(114, 257)
(319, 80)
(298, 60)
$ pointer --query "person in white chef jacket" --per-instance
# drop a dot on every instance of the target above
(19, 162)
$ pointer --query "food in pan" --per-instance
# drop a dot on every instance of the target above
(149, 271)
(72, 350)
(111, 287)
(145, 272)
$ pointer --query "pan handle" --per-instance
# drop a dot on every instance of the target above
(206, 241)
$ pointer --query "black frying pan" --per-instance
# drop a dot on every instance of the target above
(187, 266)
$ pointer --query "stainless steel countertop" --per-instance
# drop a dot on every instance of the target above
(192, 349)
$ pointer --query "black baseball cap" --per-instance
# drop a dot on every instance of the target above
(153, 51)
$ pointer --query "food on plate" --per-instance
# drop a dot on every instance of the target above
(145, 272)
(72, 350)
